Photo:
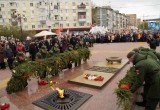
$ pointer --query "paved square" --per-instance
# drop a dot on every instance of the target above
(72, 101)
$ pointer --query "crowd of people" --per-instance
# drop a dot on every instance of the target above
(9, 49)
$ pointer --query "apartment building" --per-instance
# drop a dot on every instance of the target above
(112, 19)
(138, 22)
(46, 14)
(132, 19)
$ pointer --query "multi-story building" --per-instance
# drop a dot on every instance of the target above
(138, 22)
(107, 17)
(132, 19)
(45, 14)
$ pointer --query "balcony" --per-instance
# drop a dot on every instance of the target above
(56, 13)
(56, 6)
(13, 5)
(43, 21)
(82, 19)
(81, 6)
(82, 10)
(41, 5)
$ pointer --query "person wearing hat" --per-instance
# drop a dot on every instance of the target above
(146, 51)
(55, 49)
(148, 71)
(20, 58)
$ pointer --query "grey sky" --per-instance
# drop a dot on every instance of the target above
(147, 8)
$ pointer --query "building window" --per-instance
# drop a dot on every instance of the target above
(25, 19)
(66, 18)
(9, 12)
(53, 25)
(53, 18)
(31, 4)
(3, 13)
(24, 12)
(32, 11)
(24, 4)
(32, 19)
(88, 24)
(66, 11)
(67, 24)
(74, 24)
(39, 26)
(61, 18)
(74, 10)
(2, 5)
(87, 3)
(33, 26)
(61, 25)
(10, 21)
(81, 24)
(26, 27)
(56, 17)
(73, 3)
(74, 19)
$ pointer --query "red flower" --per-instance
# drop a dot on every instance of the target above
(24, 76)
(99, 78)
(86, 77)
(54, 82)
(42, 82)
(40, 63)
(5, 106)
(125, 86)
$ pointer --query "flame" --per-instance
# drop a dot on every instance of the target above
(61, 92)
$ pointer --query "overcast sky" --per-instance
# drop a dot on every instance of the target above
(147, 8)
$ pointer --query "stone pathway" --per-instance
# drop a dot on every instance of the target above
(102, 99)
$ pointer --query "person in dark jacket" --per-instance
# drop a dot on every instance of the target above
(73, 41)
(2, 55)
(148, 71)
(12, 45)
(33, 49)
(152, 42)
(10, 56)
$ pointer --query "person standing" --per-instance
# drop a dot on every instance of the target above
(12, 46)
(2, 63)
(10, 56)
(20, 47)
(33, 49)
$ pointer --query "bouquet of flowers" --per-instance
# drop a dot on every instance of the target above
(93, 77)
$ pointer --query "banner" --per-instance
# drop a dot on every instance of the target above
(154, 26)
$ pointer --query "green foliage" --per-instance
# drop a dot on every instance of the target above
(124, 95)
(44, 67)
(5, 31)
(16, 32)
(16, 84)
(143, 25)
